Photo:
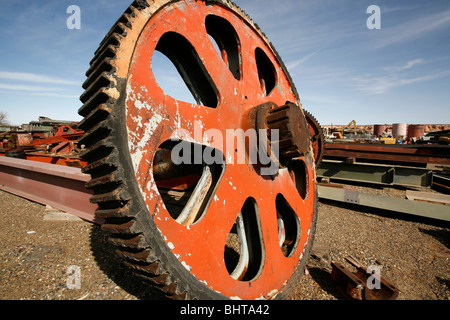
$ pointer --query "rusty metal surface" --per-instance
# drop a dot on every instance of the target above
(58, 186)
(354, 285)
(294, 140)
(127, 118)
(61, 160)
(23, 139)
(317, 137)
(239, 181)
(423, 154)
(59, 148)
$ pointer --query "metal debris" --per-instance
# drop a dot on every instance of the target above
(355, 285)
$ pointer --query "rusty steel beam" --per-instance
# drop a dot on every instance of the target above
(58, 186)
(354, 285)
(395, 153)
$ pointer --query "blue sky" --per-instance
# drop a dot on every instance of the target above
(343, 71)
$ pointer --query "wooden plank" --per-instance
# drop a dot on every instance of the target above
(428, 197)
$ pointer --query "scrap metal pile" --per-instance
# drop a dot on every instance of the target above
(56, 144)
(410, 157)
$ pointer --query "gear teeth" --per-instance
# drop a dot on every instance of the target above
(148, 268)
(292, 128)
(181, 296)
(102, 96)
(100, 64)
(171, 288)
(98, 132)
(113, 196)
(102, 165)
(98, 114)
(114, 202)
(131, 241)
(162, 279)
(104, 80)
(119, 226)
(97, 151)
(144, 256)
(103, 181)
(105, 65)
(319, 137)
(120, 212)
(113, 37)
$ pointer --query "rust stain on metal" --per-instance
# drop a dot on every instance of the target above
(354, 285)
(226, 86)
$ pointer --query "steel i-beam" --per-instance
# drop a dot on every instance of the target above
(58, 186)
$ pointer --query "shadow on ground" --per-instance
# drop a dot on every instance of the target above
(323, 279)
(111, 264)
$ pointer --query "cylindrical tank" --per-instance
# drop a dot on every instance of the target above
(416, 131)
(399, 130)
(379, 129)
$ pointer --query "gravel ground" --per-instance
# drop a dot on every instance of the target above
(36, 255)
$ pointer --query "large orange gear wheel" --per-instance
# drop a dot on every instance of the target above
(203, 229)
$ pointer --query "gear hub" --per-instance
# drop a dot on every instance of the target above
(293, 137)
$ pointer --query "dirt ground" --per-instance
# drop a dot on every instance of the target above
(36, 255)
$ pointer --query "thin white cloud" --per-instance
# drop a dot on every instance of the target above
(37, 91)
(395, 76)
(37, 78)
(21, 87)
(403, 9)
(293, 64)
(407, 66)
(57, 95)
(381, 85)
(414, 28)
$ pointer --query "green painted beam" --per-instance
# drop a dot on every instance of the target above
(376, 173)
(353, 196)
